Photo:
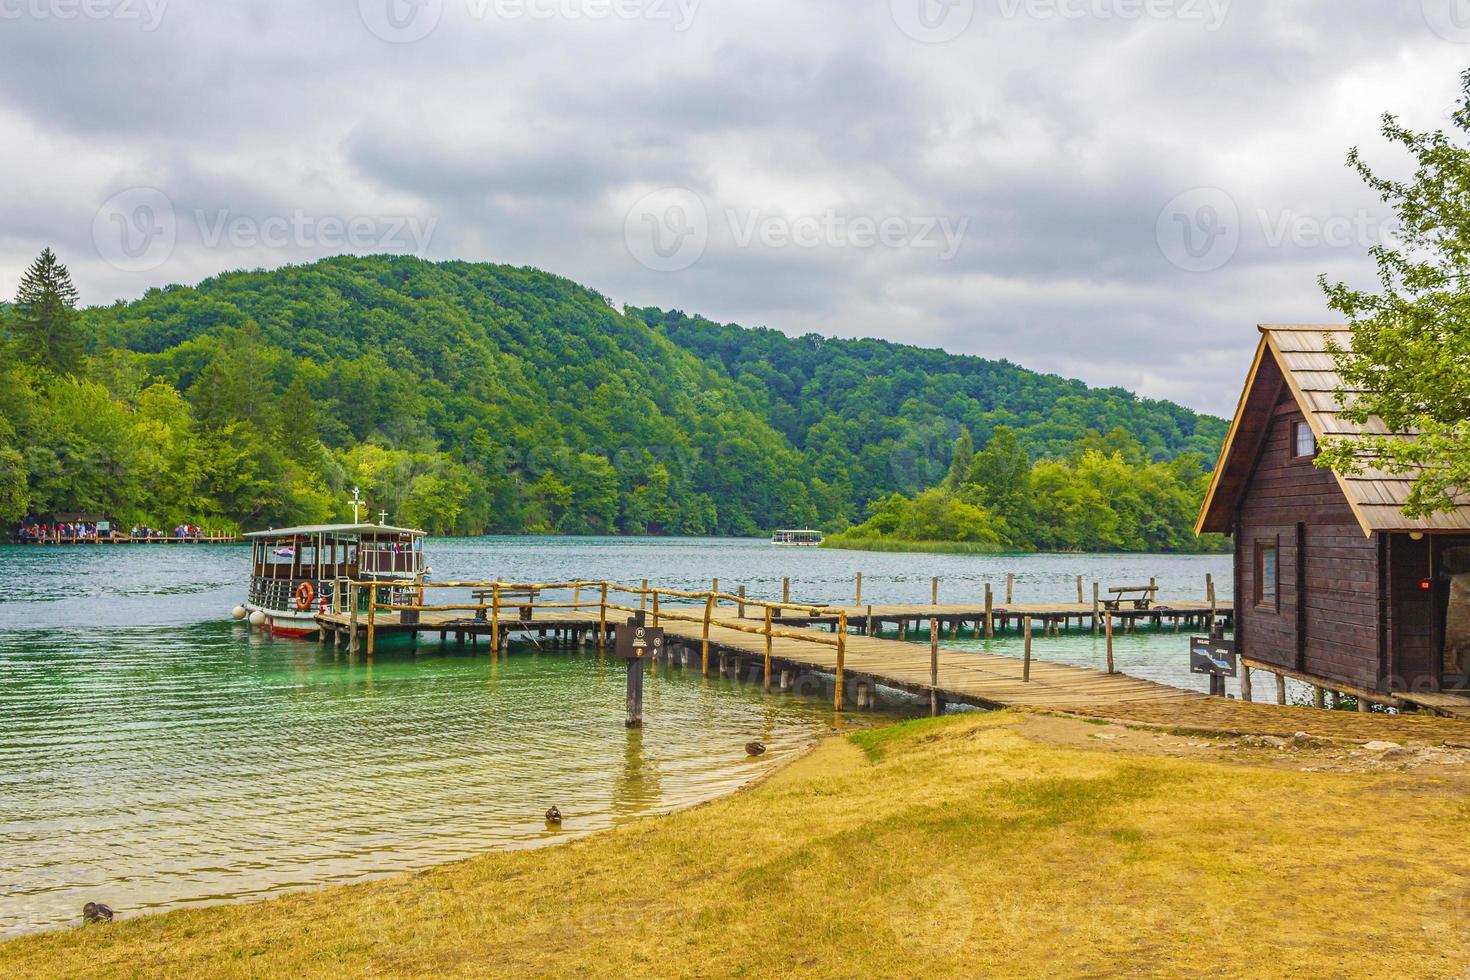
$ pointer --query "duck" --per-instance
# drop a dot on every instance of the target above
(553, 816)
(755, 748)
(96, 912)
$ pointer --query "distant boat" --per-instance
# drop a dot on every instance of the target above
(798, 539)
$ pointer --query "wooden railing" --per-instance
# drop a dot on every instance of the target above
(652, 602)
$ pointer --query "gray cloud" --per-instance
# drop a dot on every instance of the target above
(1055, 132)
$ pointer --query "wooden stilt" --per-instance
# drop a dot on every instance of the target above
(933, 667)
(1026, 666)
(768, 651)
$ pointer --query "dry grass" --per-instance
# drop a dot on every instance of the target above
(962, 846)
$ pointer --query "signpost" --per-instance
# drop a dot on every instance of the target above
(637, 643)
(1214, 656)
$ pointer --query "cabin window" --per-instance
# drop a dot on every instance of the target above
(1266, 573)
(1303, 442)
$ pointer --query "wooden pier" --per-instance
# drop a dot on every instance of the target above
(785, 644)
(211, 537)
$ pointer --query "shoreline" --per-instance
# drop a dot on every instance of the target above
(1011, 842)
(562, 838)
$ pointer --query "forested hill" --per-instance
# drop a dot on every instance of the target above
(823, 392)
(467, 397)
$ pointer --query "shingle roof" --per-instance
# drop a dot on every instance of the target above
(1307, 366)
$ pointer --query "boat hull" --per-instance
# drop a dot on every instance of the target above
(291, 624)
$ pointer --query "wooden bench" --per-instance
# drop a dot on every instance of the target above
(1141, 596)
(487, 596)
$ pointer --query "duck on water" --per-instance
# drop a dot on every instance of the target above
(300, 572)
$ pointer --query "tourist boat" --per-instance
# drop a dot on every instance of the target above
(298, 573)
(801, 539)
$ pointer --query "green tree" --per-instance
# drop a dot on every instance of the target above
(15, 493)
(964, 455)
(1409, 360)
(44, 326)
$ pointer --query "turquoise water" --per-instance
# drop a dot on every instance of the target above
(154, 754)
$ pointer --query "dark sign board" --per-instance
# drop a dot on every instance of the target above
(634, 642)
(1211, 655)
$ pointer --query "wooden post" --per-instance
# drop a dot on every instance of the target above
(577, 598)
(1364, 706)
(1210, 595)
(1010, 587)
(1108, 620)
(635, 684)
(602, 619)
(933, 667)
(372, 607)
(1080, 599)
(704, 648)
(768, 651)
(934, 591)
(1026, 662)
(655, 607)
(858, 599)
(1319, 697)
(786, 590)
(870, 620)
(841, 656)
(715, 588)
(741, 605)
(1245, 683)
(352, 597)
(989, 612)
(1280, 688)
(643, 596)
(495, 619)
(1096, 606)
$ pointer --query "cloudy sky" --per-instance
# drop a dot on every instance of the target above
(1116, 190)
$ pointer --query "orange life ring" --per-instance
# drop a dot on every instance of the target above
(304, 594)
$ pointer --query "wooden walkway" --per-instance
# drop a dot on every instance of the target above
(964, 677)
(1046, 616)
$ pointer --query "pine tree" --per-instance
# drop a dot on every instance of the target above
(44, 324)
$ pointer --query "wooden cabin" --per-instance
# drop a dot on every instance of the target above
(1333, 584)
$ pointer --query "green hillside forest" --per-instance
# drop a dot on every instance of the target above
(466, 398)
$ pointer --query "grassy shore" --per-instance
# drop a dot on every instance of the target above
(1010, 844)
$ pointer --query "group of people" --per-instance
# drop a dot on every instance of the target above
(89, 531)
(60, 531)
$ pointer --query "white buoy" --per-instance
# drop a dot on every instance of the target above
(257, 618)
(237, 613)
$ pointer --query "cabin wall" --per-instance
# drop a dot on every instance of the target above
(1326, 620)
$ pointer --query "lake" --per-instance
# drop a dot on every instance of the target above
(155, 754)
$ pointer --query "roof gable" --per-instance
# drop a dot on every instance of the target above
(1298, 357)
